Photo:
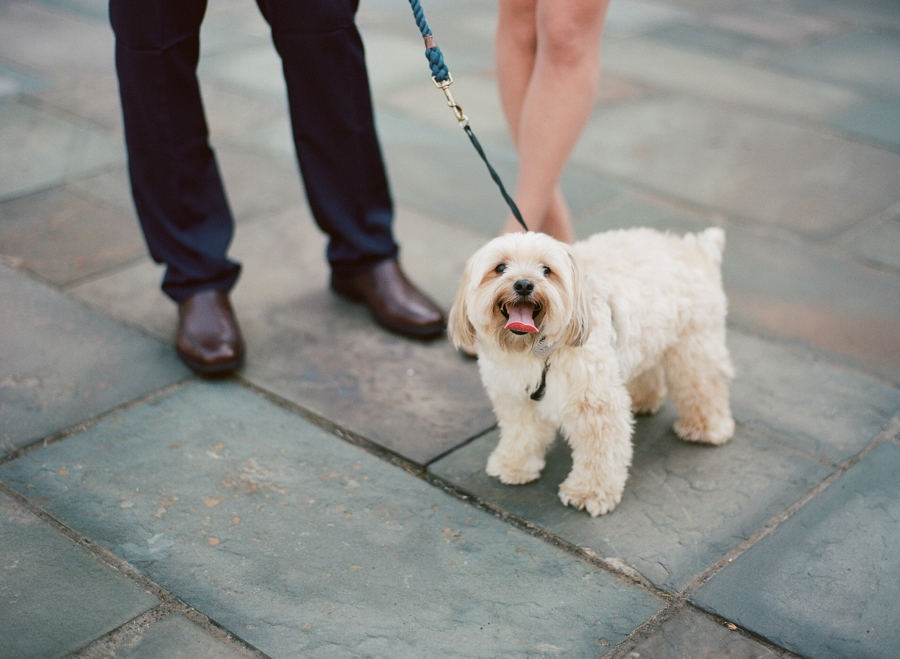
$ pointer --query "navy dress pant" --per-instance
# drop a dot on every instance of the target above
(177, 187)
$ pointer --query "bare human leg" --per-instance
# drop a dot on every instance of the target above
(548, 69)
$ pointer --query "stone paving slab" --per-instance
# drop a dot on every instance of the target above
(54, 43)
(856, 58)
(54, 596)
(739, 162)
(660, 65)
(878, 241)
(774, 24)
(713, 43)
(866, 11)
(786, 289)
(826, 411)
(174, 637)
(690, 635)
(826, 582)
(635, 17)
(256, 70)
(15, 81)
(64, 235)
(418, 399)
(38, 151)
(61, 364)
(685, 506)
(92, 97)
(438, 171)
(876, 122)
(302, 544)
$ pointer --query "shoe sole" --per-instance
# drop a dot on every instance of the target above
(214, 371)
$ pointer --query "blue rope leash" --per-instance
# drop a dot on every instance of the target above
(440, 74)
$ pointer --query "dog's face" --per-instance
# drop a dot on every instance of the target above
(518, 289)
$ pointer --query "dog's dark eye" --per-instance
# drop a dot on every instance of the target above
(500, 268)
(546, 271)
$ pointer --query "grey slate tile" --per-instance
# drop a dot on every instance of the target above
(738, 162)
(38, 151)
(690, 71)
(63, 235)
(15, 81)
(857, 59)
(820, 409)
(774, 24)
(684, 505)
(61, 364)
(713, 41)
(633, 17)
(91, 96)
(302, 544)
(438, 171)
(826, 582)
(174, 637)
(812, 296)
(878, 122)
(691, 635)
(54, 42)
(54, 596)
(255, 70)
(879, 242)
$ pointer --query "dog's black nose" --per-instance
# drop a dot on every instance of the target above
(523, 287)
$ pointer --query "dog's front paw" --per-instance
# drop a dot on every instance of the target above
(514, 470)
(596, 500)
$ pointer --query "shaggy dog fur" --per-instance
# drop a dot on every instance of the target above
(609, 326)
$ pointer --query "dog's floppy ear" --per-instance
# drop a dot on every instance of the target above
(459, 329)
(579, 328)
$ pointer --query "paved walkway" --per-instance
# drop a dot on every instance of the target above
(330, 500)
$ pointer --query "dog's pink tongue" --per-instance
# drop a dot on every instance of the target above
(520, 318)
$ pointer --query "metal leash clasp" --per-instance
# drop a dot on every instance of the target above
(444, 86)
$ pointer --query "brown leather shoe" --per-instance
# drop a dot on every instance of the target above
(394, 301)
(209, 339)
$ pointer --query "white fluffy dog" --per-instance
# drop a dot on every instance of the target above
(578, 338)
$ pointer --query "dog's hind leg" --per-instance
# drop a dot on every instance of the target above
(600, 438)
(648, 390)
(524, 438)
(698, 370)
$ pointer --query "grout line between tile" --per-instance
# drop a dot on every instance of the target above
(891, 433)
(169, 603)
(84, 425)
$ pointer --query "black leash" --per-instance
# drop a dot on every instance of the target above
(440, 74)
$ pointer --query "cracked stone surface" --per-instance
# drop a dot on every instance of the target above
(299, 542)
(826, 583)
(55, 597)
(687, 505)
(85, 364)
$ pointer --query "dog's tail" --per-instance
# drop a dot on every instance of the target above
(712, 242)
